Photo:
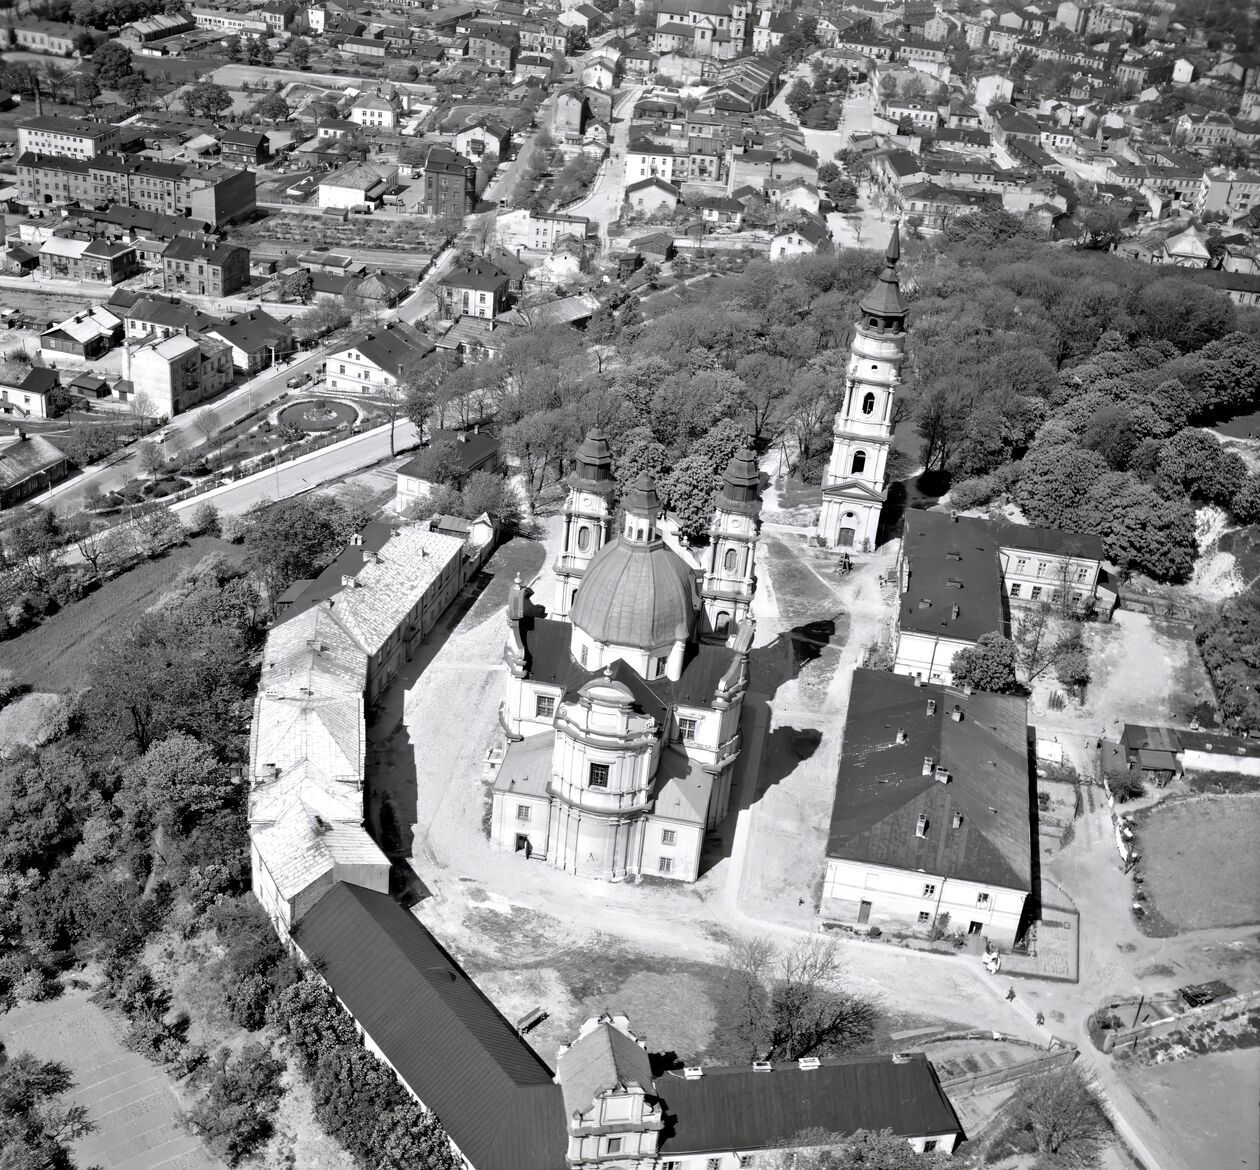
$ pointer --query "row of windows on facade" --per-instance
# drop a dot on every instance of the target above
(929, 891)
(545, 708)
(1043, 567)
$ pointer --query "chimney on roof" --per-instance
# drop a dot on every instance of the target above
(693, 1072)
(929, 763)
(931, 707)
(954, 517)
(958, 820)
(902, 737)
(942, 775)
(921, 825)
(918, 680)
(348, 582)
(762, 1066)
(956, 714)
(808, 1063)
(954, 611)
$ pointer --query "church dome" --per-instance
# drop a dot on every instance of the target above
(640, 595)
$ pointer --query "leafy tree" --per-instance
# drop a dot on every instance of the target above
(152, 459)
(1195, 461)
(989, 665)
(688, 492)
(800, 97)
(1054, 482)
(112, 62)
(232, 46)
(297, 285)
(86, 88)
(233, 1115)
(1140, 529)
(36, 1129)
(133, 90)
(1229, 640)
(272, 108)
(300, 53)
(293, 539)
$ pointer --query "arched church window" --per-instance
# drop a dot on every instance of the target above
(729, 561)
(859, 462)
(868, 403)
(723, 624)
(584, 539)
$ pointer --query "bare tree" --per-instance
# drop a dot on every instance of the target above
(208, 424)
(1062, 1115)
(152, 460)
(91, 538)
(790, 1002)
(142, 409)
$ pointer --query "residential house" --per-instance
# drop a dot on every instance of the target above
(50, 134)
(486, 136)
(155, 28)
(651, 195)
(98, 260)
(806, 238)
(213, 270)
(650, 160)
(29, 464)
(175, 373)
(358, 184)
(375, 360)
(373, 48)
(1232, 192)
(931, 824)
(958, 576)
(381, 290)
(257, 339)
(450, 183)
(86, 335)
(244, 148)
(478, 289)
(50, 36)
(722, 212)
(374, 112)
(494, 46)
(28, 390)
(473, 450)
(937, 205)
(231, 20)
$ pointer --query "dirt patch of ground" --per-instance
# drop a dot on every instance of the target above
(1212, 1099)
(53, 656)
(802, 593)
(1176, 839)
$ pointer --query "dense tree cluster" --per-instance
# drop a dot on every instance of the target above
(36, 1128)
(1229, 640)
(357, 1098)
(1074, 382)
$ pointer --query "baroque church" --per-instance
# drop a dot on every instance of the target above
(855, 482)
(623, 702)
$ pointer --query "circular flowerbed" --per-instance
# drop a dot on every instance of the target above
(317, 414)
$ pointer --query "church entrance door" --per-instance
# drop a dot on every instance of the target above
(864, 912)
(522, 844)
(846, 537)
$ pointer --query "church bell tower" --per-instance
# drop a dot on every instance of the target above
(853, 485)
(588, 512)
(730, 579)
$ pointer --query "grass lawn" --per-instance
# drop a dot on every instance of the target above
(1201, 864)
(52, 656)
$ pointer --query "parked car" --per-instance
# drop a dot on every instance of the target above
(298, 380)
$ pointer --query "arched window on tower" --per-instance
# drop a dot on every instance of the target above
(868, 403)
(723, 623)
(859, 462)
(584, 539)
(730, 560)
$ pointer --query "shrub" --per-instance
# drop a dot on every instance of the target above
(203, 518)
(1126, 786)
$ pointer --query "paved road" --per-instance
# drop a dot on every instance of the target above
(603, 204)
(292, 479)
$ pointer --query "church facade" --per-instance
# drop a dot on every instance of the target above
(623, 704)
(855, 482)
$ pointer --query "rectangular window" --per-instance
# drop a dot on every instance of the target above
(1015, 589)
(687, 730)
(929, 1145)
(1036, 593)
(929, 890)
(669, 836)
(1020, 564)
(545, 706)
(614, 1145)
(982, 899)
(522, 812)
(924, 917)
(599, 776)
(714, 1164)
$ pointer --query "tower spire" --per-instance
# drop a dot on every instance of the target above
(588, 511)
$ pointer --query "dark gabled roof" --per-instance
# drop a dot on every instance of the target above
(951, 560)
(392, 348)
(171, 313)
(746, 1109)
(882, 791)
(186, 248)
(254, 330)
(444, 1038)
(479, 275)
(22, 458)
(473, 449)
